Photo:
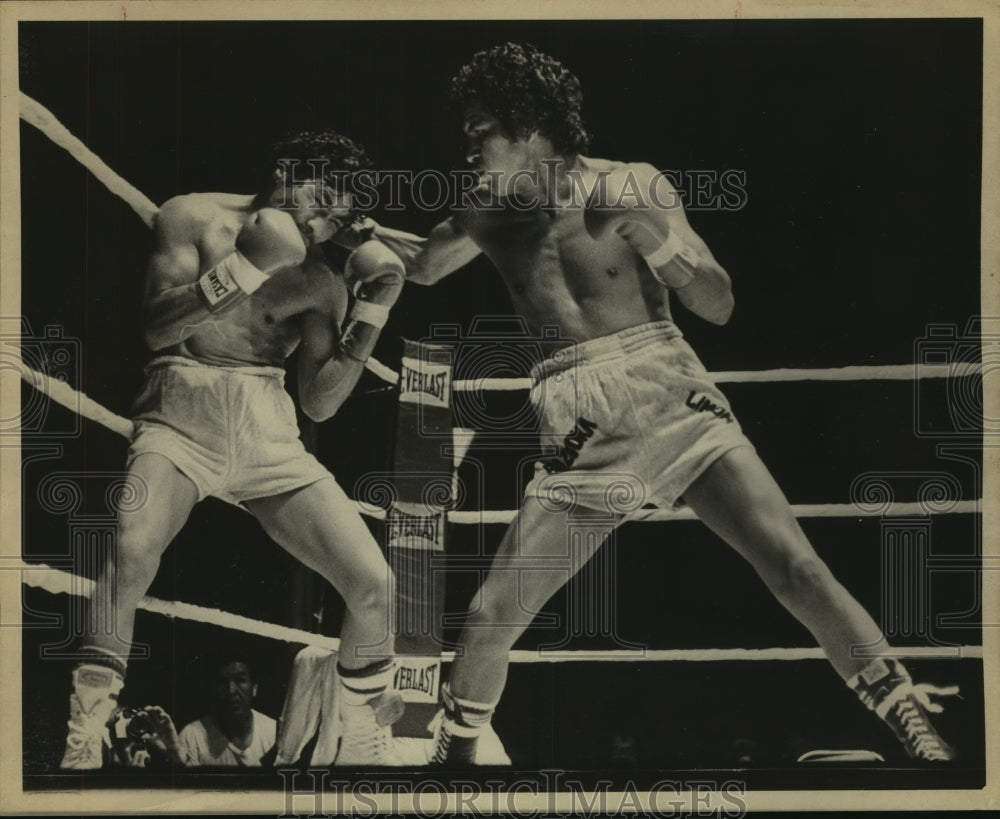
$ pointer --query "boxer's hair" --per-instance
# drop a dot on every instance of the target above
(526, 91)
(342, 155)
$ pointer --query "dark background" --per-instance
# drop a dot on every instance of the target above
(861, 144)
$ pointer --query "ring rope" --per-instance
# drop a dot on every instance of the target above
(35, 114)
(57, 581)
(801, 510)
(76, 401)
(866, 372)
(722, 654)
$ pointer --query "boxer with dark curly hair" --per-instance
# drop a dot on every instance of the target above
(601, 248)
(526, 91)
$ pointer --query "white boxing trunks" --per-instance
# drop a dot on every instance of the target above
(634, 419)
(231, 430)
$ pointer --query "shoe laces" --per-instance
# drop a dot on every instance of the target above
(442, 738)
(923, 738)
(82, 744)
(77, 739)
(373, 744)
(83, 731)
(435, 724)
(922, 693)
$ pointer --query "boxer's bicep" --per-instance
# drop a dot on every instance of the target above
(709, 294)
(325, 376)
(172, 267)
(320, 333)
(172, 308)
(175, 259)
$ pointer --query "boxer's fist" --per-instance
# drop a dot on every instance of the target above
(619, 204)
(270, 240)
(375, 273)
(267, 242)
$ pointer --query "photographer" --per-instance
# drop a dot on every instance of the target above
(232, 733)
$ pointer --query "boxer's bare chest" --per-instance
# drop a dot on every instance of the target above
(266, 326)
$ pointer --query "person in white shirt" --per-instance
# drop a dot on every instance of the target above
(231, 734)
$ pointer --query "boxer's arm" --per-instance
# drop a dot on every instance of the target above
(330, 362)
(710, 294)
(173, 309)
(178, 303)
(428, 260)
(662, 231)
(327, 371)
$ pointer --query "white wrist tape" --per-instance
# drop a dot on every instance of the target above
(370, 313)
(233, 275)
(684, 258)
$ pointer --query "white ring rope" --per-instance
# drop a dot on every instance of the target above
(88, 408)
(76, 401)
(855, 372)
(873, 372)
(39, 116)
(56, 581)
(801, 510)
(723, 654)
(35, 114)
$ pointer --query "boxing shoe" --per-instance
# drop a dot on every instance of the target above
(455, 746)
(886, 688)
(94, 697)
(366, 732)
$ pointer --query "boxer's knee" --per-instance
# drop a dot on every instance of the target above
(801, 580)
(135, 561)
(371, 592)
(494, 625)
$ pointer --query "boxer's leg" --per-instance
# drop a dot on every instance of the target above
(739, 500)
(319, 525)
(143, 534)
(516, 588)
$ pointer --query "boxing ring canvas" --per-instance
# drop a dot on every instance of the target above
(842, 170)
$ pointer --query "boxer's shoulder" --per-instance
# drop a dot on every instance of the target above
(198, 210)
(595, 164)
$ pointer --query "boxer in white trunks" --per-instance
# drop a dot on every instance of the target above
(596, 248)
(235, 284)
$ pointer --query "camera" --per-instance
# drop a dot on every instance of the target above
(133, 723)
(952, 406)
(497, 347)
(33, 357)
